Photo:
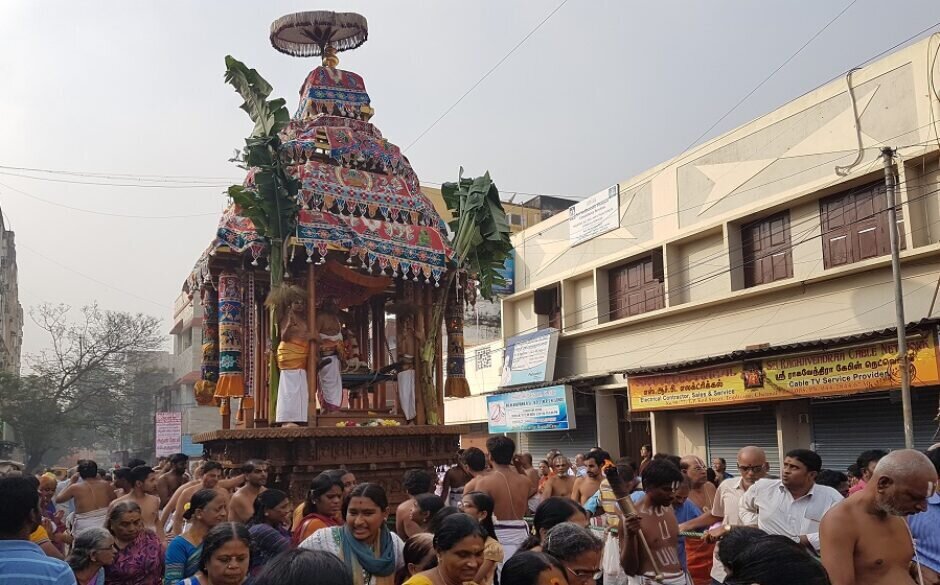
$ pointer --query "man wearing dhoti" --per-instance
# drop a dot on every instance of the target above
(292, 351)
(92, 496)
(331, 350)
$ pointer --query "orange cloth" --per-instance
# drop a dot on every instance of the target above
(292, 355)
(308, 526)
(698, 557)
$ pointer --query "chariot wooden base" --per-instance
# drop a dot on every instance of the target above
(374, 454)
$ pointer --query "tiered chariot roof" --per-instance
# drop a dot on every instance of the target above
(358, 194)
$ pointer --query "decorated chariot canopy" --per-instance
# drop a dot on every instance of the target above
(359, 199)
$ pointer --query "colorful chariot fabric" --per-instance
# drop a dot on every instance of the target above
(231, 380)
(209, 370)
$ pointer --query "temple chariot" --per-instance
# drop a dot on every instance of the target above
(323, 369)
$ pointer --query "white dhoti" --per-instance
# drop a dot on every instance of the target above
(93, 519)
(406, 393)
(511, 534)
(292, 397)
(650, 579)
(330, 377)
(330, 384)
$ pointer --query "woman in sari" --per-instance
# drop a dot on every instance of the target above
(138, 559)
(459, 546)
(268, 528)
(224, 556)
(92, 551)
(322, 507)
(205, 510)
(364, 543)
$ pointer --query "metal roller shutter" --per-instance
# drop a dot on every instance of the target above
(579, 440)
(727, 432)
(844, 427)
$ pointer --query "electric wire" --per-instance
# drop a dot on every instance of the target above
(485, 75)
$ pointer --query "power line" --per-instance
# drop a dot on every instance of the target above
(124, 176)
(485, 75)
(772, 73)
(106, 213)
(91, 278)
(105, 184)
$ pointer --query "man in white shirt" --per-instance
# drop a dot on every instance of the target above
(794, 505)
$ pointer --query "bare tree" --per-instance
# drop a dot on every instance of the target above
(77, 391)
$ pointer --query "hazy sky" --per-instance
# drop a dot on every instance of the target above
(604, 90)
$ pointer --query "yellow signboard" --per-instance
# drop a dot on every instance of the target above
(837, 371)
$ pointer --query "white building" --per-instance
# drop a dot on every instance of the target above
(760, 249)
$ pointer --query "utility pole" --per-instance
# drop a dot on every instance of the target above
(903, 363)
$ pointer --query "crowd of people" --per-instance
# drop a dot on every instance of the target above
(491, 518)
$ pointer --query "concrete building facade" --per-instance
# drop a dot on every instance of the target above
(186, 361)
(770, 240)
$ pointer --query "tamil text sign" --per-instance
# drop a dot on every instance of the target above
(596, 215)
(543, 409)
(848, 370)
(169, 428)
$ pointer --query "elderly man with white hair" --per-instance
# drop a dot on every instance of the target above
(865, 540)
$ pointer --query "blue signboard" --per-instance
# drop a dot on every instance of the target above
(529, 358)
(507, 272)
(190, 448)
(543, 409)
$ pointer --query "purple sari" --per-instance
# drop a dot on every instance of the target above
(139, 563)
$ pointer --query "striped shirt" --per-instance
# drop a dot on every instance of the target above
(24, 563)
(925, 527)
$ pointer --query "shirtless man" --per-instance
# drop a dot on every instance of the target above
(171, 480)
(416, 482)
(657, 521)
(143, 493)
(865, 539)
(454, 481)
(510, 491)
(329, 336)
(91, 496)
(561, 484)
(211, 476)
(242, 506)
(586, 486)
(474, 460)
(525, 465)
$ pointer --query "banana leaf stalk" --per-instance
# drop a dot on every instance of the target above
(271, 202)
(481, 245)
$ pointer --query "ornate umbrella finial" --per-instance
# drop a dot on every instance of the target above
(320, 32)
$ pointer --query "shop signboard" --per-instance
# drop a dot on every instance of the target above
(168, 432)
(190, 448)
(594, 216)
(836, 371)
(542, 409)
(529, 358)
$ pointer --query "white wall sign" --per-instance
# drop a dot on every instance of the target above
(596, 215)
(529, 358)
(169, 432)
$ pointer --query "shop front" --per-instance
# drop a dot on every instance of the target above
(838, 397)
